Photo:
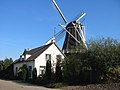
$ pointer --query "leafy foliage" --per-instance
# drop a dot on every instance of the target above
(23, 73)
(1, 65)
(7, 73)
(48, 70)
(99, 63)
(6, 68)
(58, 73)
(25, 51)
(5, 63)
(103, 55)
(34, 73)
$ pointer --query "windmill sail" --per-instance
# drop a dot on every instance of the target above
(61, 14)
(74, 34)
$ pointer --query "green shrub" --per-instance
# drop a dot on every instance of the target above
(23, 73)
(48, 71)
(58, 73)
(113, 74)
(34, 73)
(101, 62)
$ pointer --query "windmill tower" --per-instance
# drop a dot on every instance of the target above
(74, 32)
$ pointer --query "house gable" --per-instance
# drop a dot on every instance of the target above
(53, 50)
(37, 57)
(37, 51)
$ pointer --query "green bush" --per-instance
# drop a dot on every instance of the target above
(34, 73)
(58, 73)
(7, 73)
(98, 64)
(48, 71)
(23, 73)
(113, 74)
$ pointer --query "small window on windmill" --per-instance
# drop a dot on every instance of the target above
(48, 57)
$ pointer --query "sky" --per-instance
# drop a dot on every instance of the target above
(30, 23)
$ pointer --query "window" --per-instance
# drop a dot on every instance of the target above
(16, 71)
(30, 71)
(58, 57)
(48, 57)
(42, 70)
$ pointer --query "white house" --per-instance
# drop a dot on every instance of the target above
(37, 58)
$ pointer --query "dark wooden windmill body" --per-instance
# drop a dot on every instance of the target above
(74, 32)
(70, 43)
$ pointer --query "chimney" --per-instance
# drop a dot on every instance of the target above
(53, 40)
(28, 49)
(21, 58)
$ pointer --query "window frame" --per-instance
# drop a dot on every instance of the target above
(48, 57)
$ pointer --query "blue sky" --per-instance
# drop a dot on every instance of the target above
(30, 23)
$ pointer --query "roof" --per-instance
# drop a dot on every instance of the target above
(34, 53)
(37, 51)
(18, 61)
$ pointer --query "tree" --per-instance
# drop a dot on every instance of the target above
(25, 51)
(103, 54)
(6, 68)
(101, 62)
(7, 62)
(58, 73)
(1, 65)
(23, 73)
(34, 73)
(48, 70)
(72, 68)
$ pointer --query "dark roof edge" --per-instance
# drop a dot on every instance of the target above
(56, 46)
(22, 61)
(43, 50)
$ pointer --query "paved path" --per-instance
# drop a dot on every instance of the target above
(11, 85)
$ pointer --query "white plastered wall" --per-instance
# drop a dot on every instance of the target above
(30, 63)
(27, 56)
(41, 61)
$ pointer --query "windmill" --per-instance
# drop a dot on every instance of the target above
(75, 32)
